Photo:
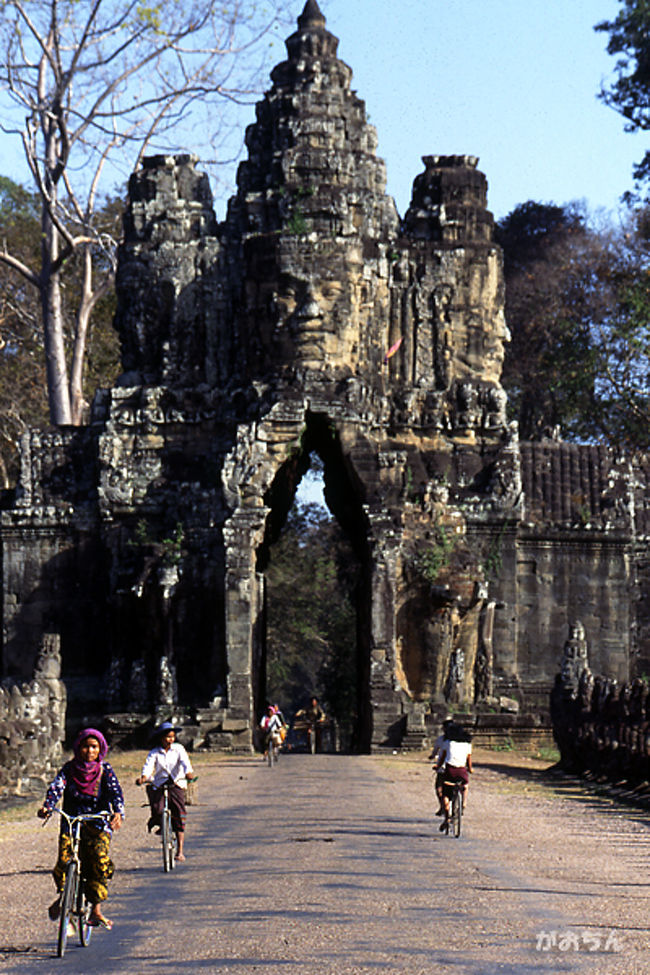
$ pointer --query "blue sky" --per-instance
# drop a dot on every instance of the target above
(513, 82)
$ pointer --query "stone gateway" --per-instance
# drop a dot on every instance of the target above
(313, 320)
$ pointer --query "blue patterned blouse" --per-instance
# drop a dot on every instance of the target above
(109, 796)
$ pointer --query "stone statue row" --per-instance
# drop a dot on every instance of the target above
(32, 723)
(601, 727)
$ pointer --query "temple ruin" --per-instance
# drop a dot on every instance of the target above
(315, 321)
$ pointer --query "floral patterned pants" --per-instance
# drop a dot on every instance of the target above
(96, 865)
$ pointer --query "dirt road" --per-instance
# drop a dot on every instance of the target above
(334, 865)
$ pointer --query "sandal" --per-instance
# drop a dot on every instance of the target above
(180, 857)
(100, 922)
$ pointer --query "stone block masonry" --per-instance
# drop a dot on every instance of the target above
(314, 321)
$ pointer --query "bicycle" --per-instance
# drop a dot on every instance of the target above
(453, 791)
(73, 902)
(166, 833)
(272, 749)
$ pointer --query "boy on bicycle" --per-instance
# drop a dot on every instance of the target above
(87, 785)
(167, 762)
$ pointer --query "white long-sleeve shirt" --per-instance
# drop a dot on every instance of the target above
(160, 765)
(271, 723)
(456, 753)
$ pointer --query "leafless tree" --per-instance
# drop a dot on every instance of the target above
(91, 82)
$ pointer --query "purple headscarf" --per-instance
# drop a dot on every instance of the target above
(87, 775)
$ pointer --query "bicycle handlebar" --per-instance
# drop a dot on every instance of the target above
(105, 815)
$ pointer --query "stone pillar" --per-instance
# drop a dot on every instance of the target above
(386, 722)
(243, 533)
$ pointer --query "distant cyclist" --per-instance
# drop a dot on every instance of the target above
(314, 717)
(455, 762)
(272, 725)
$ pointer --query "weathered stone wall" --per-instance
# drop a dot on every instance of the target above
(314, 321)
(32, 724)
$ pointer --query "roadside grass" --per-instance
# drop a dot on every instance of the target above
(127, 764)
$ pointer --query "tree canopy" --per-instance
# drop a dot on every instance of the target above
(23, 387)
(311, 631)
(629, 94)
(89, 83)
(578, 308)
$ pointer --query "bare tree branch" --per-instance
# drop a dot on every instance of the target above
(86, 81)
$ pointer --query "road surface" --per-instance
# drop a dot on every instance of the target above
(334, 865)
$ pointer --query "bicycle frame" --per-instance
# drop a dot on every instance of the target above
(73, 901)
(167, 835)
(272, 748)
(453, 791)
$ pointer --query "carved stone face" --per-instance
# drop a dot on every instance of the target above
(576, 631)
(316, 309)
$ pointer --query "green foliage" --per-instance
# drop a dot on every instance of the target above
(296, 224)
(23, 384)
(494, 558)
(629, 94)
(578, 308)
(507, 745)
(435, 555)
(311, 626)
(169, 546)
(548, 753)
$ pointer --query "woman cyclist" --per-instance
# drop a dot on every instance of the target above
(87, 785)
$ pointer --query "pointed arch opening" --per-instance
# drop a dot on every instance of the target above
(313, 565)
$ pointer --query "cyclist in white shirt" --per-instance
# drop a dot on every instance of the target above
(434, 757)
(167, 762)
(272, 725)
(455, 758)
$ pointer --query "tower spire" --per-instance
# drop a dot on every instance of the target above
(311, 16)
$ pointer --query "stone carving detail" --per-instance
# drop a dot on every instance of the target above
(574, 669)
(32, 723)
(312, 320)
(167, 690)
(601, 726)
(138, 695)
(456, 675)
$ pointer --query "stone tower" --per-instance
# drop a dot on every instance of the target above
(312, 320)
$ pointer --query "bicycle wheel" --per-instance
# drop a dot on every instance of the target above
(457, 812)
(172, 845)
(167, 841)
(269, 754)
(68, 902)
(83, 913)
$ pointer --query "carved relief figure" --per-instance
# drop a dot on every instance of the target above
(574, 660)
